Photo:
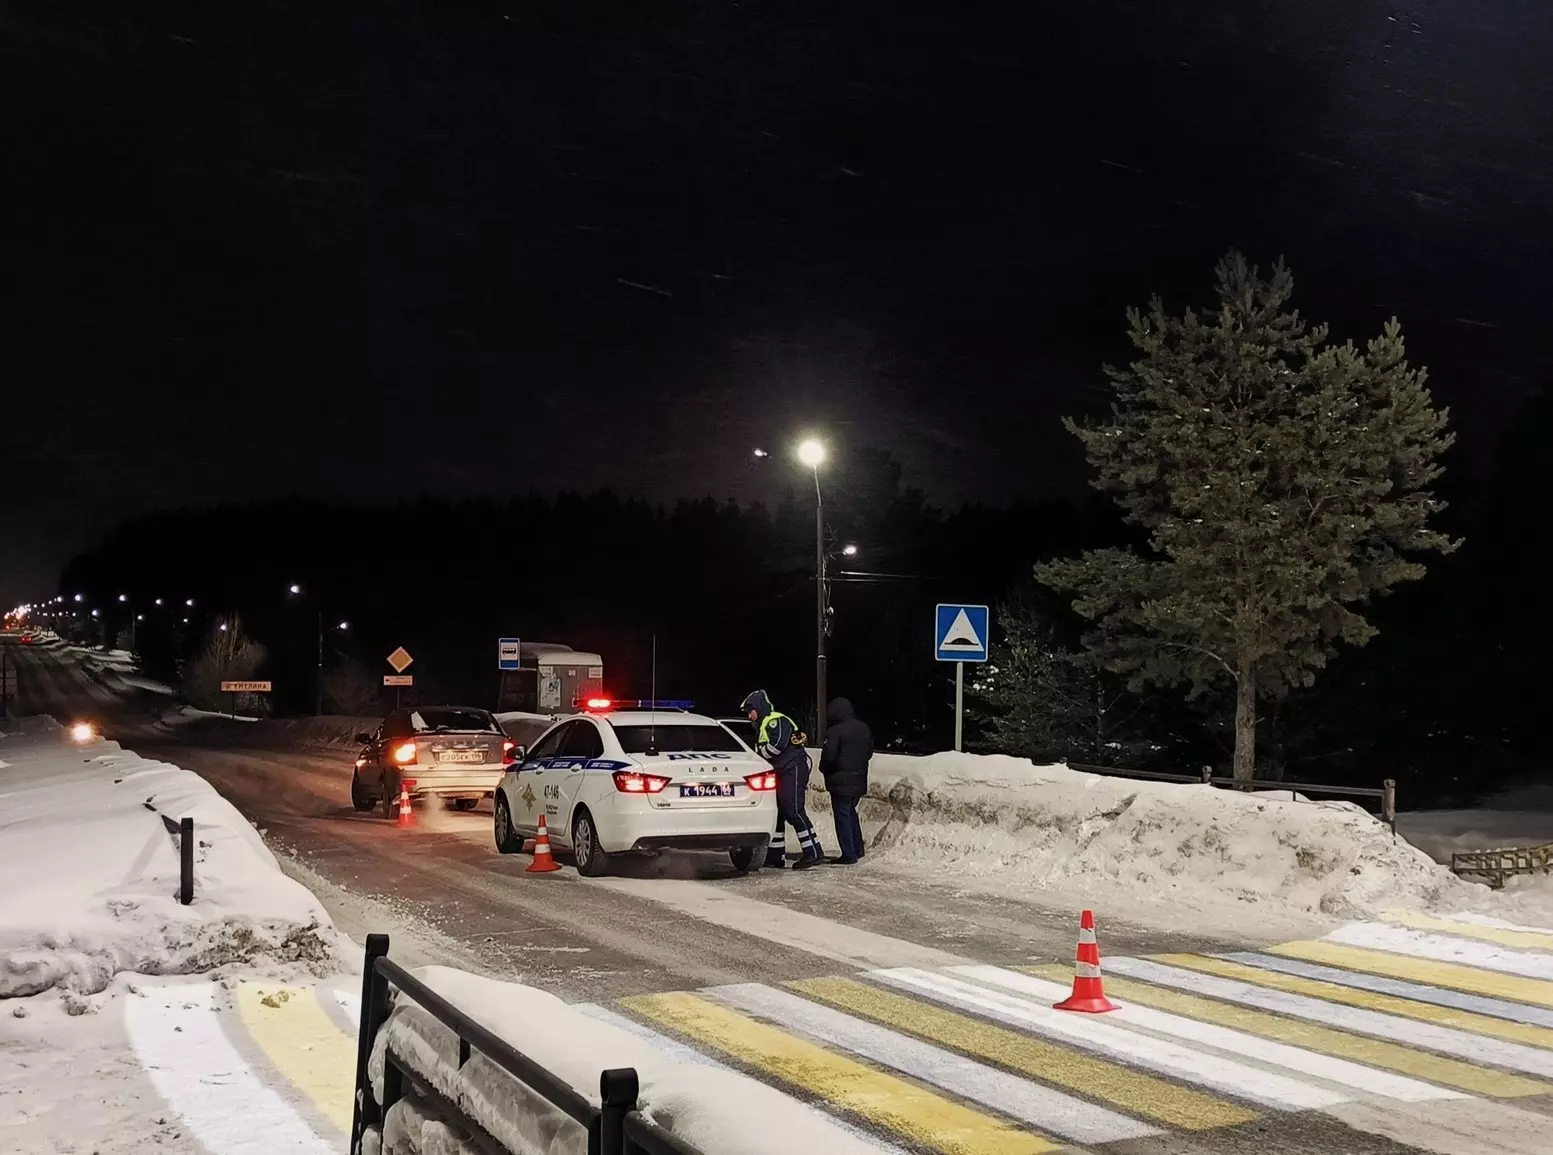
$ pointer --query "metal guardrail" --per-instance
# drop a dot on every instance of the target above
(616, 1127)
(1386, 791)
(1495, 866)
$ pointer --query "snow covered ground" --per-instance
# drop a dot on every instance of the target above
(90, 874)
(1207, 856)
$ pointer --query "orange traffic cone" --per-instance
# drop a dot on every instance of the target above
(1088, 990)
(406, 818)
(543, 862)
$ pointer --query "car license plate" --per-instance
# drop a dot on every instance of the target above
(461, 756)
(707, 790)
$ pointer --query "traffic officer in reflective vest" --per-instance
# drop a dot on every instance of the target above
(778, 741)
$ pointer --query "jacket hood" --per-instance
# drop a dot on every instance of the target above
(758, 700)
(840, 710)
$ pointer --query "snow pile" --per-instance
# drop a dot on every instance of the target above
(710, 1108)
(1006, 820)
(89, 876)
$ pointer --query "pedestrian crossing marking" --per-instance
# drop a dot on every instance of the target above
(1520, 938)
(1444, 948)
(1134, 1091)
(1094, 1033)
(1023, 1100)
(923, 1116)
(1426, 1012)
(1358, 1048)
(1209, 1032)
(303, 1043)
(1447, 1040)
(1440, 974)
(1408, 992)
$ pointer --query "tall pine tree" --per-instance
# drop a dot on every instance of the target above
(1282, 482)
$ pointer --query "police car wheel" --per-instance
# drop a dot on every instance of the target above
(747, 859)
(507, 840)
(591, 860)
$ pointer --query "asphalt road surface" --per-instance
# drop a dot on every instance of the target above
(911, 1009)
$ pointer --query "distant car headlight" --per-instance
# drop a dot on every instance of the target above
(82, 732)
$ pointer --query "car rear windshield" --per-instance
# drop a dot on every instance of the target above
(676, 739)
(442, 718)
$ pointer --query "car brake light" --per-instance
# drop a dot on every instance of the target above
(766, 780)
(407, 783)
(507, 748)
(630, 782)
(404, 755)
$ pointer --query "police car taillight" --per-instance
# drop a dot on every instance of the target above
(763, 781)
(630, 782)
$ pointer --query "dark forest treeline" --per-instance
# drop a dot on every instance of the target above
(727, 589)
(1448, 699)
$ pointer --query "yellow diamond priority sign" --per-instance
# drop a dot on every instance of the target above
(400, 660)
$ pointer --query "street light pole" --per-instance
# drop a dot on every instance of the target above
(812, 453)
(819, 611)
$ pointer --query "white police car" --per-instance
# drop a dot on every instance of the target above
(638, 776)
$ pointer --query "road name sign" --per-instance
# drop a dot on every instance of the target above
(508, 653)
(246, 687)
(400, 660)
(960, 633)
(398, 679)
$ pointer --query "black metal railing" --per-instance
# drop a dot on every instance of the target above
(615, 1127)
(183, 832)
(1386, 792)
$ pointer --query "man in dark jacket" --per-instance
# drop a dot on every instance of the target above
(778, 741)
(849, 745)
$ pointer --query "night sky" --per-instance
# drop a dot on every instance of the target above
(366, 251)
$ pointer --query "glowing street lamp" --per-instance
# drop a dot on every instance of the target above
(811, 453)
(849, 550)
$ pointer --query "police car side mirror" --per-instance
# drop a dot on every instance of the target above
(520, 753)
(364, 739)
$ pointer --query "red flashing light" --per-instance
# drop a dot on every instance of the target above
(630, 782)
(597, 703)
(765, 780)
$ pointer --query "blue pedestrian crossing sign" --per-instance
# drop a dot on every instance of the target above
(960, 633)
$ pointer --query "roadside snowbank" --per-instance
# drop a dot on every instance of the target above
(89, 875)
(1004, 822)
(711, 1108)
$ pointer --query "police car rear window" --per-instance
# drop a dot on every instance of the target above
(676, 739)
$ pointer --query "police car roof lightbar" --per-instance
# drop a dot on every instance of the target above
(600, 704)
